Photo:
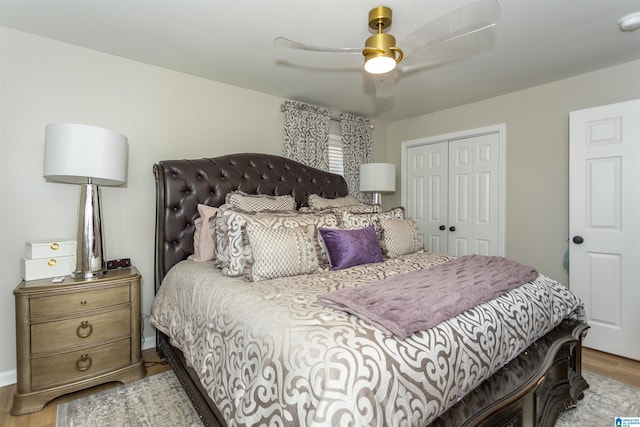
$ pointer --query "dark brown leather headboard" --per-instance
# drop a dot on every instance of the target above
(182, 184)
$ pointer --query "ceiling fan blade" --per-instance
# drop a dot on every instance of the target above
(385, 84)
(468, 19)
(285, 42)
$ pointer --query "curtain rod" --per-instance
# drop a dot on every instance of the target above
(331, 116)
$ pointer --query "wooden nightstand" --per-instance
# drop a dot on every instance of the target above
(74, 335)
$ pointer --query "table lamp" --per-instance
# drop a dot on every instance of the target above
(377, 178)
(89, 156)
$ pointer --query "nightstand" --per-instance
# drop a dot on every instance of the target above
(74, 335)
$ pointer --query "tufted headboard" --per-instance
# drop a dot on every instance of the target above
(182, 184)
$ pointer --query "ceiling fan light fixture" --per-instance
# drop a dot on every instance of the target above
(379, 65)
(381, 54)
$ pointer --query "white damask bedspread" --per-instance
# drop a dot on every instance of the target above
(269, 354)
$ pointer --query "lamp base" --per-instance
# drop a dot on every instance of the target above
(90, 262)
(377, 198)
(87, 275)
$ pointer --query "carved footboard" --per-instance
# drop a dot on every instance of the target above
(532, 390)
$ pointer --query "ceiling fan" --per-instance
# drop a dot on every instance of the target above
(381, 54)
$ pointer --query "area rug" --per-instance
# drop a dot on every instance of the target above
(160, 401)
(155, 401)
(603, 402)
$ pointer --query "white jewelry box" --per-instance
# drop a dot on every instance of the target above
(44, 259)
(50, 249)
(42, 268)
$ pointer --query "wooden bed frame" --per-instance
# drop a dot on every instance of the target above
(531, 390)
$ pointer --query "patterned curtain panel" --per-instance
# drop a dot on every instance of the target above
(357, 147)
(306, 134)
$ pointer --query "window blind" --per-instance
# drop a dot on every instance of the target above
(336, 160)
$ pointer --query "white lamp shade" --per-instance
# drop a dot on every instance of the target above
(74, 153)
(378, 177)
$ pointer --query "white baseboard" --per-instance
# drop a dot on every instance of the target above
(10, 377)
(148, 342)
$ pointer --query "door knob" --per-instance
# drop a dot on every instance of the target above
(452, 228)
(577, 240)
(442, 227)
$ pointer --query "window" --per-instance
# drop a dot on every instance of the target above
(336, 164)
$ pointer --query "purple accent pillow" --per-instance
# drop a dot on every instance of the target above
(347, 248)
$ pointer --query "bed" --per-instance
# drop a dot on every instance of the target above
(266, 352)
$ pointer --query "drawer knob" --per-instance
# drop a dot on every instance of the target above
(55, 246)
(83, 302)
(84, 363)
(52, 262)
(84, 330)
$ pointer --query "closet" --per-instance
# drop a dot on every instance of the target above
(454, 191)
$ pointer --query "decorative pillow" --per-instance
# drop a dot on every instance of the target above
(259, 202)
(221, 229)
(347, 248)
(399, 237)
(221, 238)
(316, 202)
(236, 220)
(350, 221)
(204, 238)
(339, 209)
(280, 252)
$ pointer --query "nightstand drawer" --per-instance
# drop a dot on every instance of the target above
(78, 301)
(54, 336)
(74, 365)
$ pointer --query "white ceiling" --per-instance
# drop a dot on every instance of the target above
(535, 41)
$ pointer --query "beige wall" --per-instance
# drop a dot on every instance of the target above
(165, 115)
(537, 153)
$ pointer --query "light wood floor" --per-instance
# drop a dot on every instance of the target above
(604, 364)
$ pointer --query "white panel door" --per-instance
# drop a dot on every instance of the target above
(474, 195)
(604, 210)
(453, 194)
(427, 179)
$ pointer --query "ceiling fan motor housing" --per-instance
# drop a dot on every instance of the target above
(379, 18)
(381, 45)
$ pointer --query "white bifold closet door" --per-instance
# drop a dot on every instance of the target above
(453, 194)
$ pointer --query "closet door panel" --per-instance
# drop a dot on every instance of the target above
(427, 181)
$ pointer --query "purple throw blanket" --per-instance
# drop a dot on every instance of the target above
(416, 301)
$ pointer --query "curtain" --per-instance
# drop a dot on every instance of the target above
(306, 134)
(356, 149)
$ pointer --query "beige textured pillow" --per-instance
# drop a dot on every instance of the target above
(316, 202)
(339, 209)
(204, 238)
(235, 222)
(399, 237)
(259, 202)
(351, 221)
(280, 252)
